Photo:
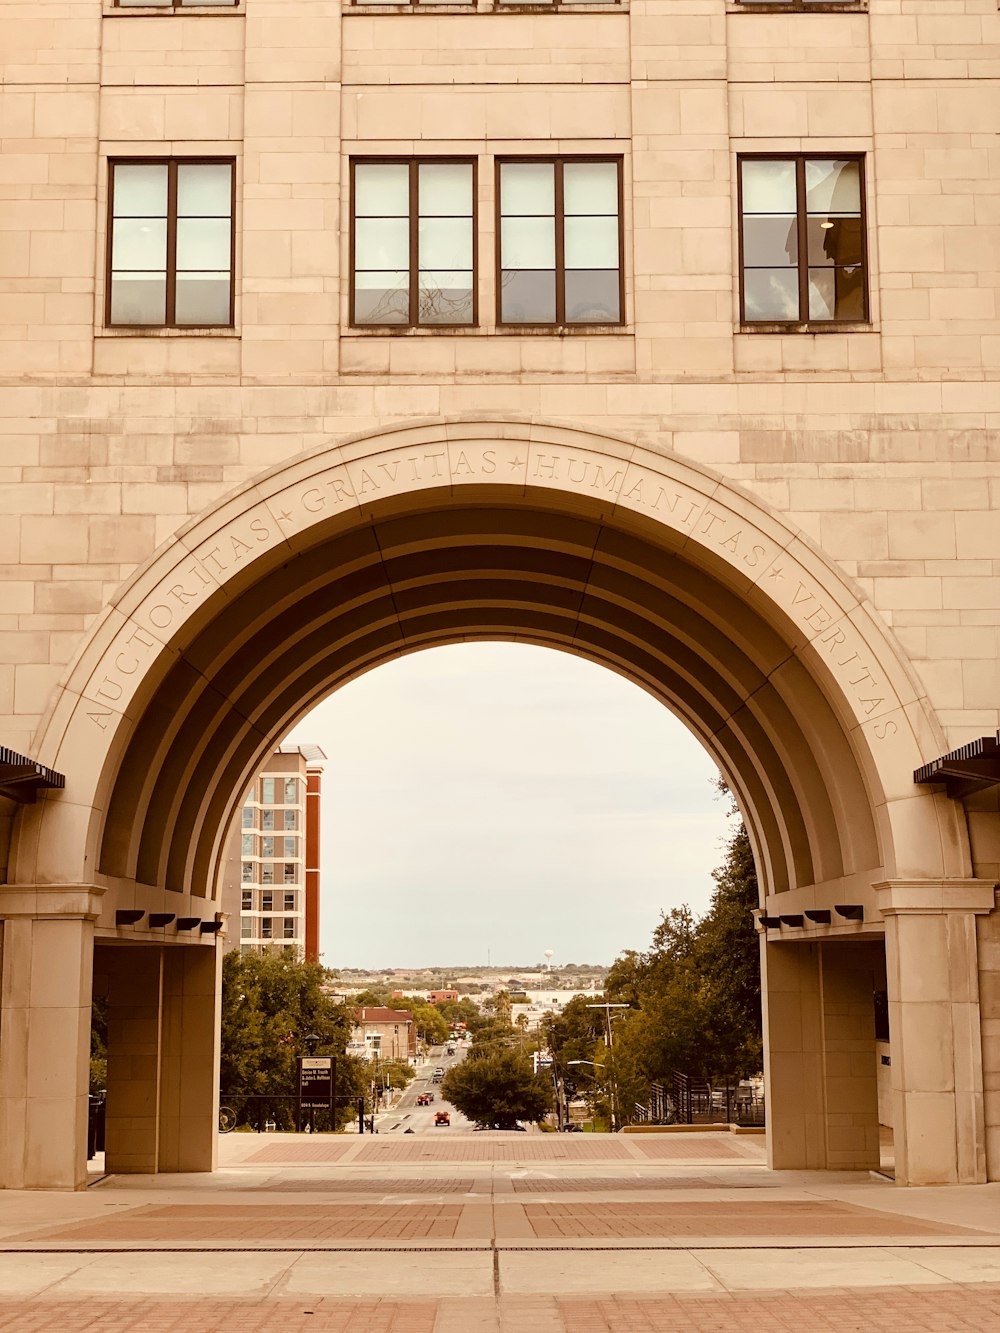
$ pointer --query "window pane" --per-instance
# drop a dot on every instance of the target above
(203, 243)
(445, 297)
(771, 293)
(291, 791)
(204, 189)
(138, 298)
(444, 189)
(527, 297)
(139, 243)
(590, 187)
(527, 188)
(528, 242)
(202, 298)
(768, 186)
(836, 293)
(770, 241)
(381, 243)
(445, 243)
(833, 186)
(382, 190)
(382, 298)
(267, 820)
(140, 190)
(834, 240)
(592, 296)
(591, 242)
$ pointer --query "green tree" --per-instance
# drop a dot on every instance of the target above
(270, 1004)
(462, 1011)
(694, 996)
(497, 1087)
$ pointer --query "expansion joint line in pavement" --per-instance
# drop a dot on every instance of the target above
(710, 1243)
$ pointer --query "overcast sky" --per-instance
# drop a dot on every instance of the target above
(486, 802)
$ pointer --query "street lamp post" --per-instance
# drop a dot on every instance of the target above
(611, 1094)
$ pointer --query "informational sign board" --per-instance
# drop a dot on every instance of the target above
(316, 1080)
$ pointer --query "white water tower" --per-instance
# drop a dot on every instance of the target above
(548, 959)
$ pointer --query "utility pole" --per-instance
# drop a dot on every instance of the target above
(610, 1040)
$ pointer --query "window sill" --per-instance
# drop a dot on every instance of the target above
(827, 326)
(142, 331)
(493, 331)
(489, 7)
(113, 11)
(787, 7)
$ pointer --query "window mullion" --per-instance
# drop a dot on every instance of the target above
(560, 244)
(171, 241)
(803, 234)
(414, 246)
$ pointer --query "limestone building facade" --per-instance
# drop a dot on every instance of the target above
(662, 331)
(271, 882)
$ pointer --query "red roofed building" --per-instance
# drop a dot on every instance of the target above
(390, 1033)
(440, 996)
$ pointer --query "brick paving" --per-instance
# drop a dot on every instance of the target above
(945, 1309)
(285, 1224)
(874, 1310)
(287, 1153)
(626, 1184)
(493, 1150)
(796, 1219)
(360, 1185)
(320, 1315)
(686, 1148)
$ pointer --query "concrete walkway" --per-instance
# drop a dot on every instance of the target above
(495, 1233)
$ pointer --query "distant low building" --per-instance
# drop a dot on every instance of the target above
(388, 1033)
(442, 996)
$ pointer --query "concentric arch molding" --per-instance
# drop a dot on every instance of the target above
(682, 507)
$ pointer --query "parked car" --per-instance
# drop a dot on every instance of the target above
(442, 1118)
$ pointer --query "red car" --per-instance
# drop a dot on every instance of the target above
(442, 1118)
(424, 1098)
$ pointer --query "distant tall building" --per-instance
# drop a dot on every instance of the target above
(272, 870)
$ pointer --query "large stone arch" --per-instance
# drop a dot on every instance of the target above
(805, 628)
(383, 544)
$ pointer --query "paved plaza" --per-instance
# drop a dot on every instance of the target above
(501, 1233)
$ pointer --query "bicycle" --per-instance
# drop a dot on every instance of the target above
(227, 1119)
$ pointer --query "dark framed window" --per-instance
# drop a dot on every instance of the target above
(560, 246)
(267, 872)
(247, 875)
(289, 902)
(289, 927)
(171, 243)
(802, 240)
(413, 242)
(265, 927)
(266, 902)
(291, 875)
(247, 902)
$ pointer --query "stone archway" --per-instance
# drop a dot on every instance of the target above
(377, 546)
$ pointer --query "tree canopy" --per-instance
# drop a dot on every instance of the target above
(496, 1087)
(693, 997)
(270, 1004)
